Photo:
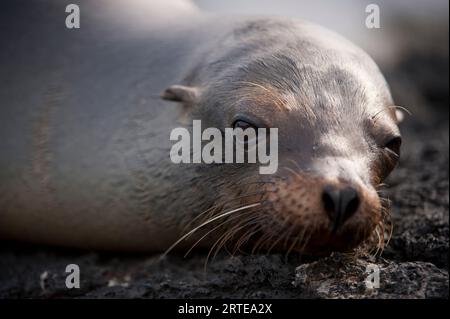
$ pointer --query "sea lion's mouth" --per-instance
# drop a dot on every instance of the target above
(310, 240)
(291, 239)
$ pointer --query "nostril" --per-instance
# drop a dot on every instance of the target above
(330, 198)
(340, 204)
(328, 202)
(350, 202)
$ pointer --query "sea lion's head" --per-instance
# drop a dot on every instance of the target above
(337, 131)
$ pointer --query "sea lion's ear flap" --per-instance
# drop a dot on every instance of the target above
(180, 93)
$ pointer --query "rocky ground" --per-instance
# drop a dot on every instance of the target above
(414, 264)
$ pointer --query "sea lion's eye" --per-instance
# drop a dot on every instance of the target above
(393, 146)
(242, 124)
(389, 156)
(245, 137)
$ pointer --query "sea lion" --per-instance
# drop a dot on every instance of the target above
(85, 131)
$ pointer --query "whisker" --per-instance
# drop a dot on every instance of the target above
(378, 245)
(307, 239)
(212, 249)
(221, 240)
(258, 243)
(223, 204)
(291, 171)
(295, 163)
(381, 185)
(294, 242)
(234, 231)
(402, 108)
(280, 238)
(390, 108)
(391, 231)
(215, 228)
(246, 237)
(207, 223)
(289, 233)
(242, 223)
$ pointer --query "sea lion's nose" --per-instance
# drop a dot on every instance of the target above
(340, 204)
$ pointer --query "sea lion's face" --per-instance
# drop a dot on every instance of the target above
(337, 138)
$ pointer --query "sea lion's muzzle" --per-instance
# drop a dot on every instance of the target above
(320, 215)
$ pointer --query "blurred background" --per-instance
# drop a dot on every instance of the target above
(411, 47)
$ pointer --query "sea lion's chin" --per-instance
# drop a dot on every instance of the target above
(324, 242)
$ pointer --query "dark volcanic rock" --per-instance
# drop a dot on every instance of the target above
(340, 276)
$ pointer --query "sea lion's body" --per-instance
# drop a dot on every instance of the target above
(80, 120)
(84, 136)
